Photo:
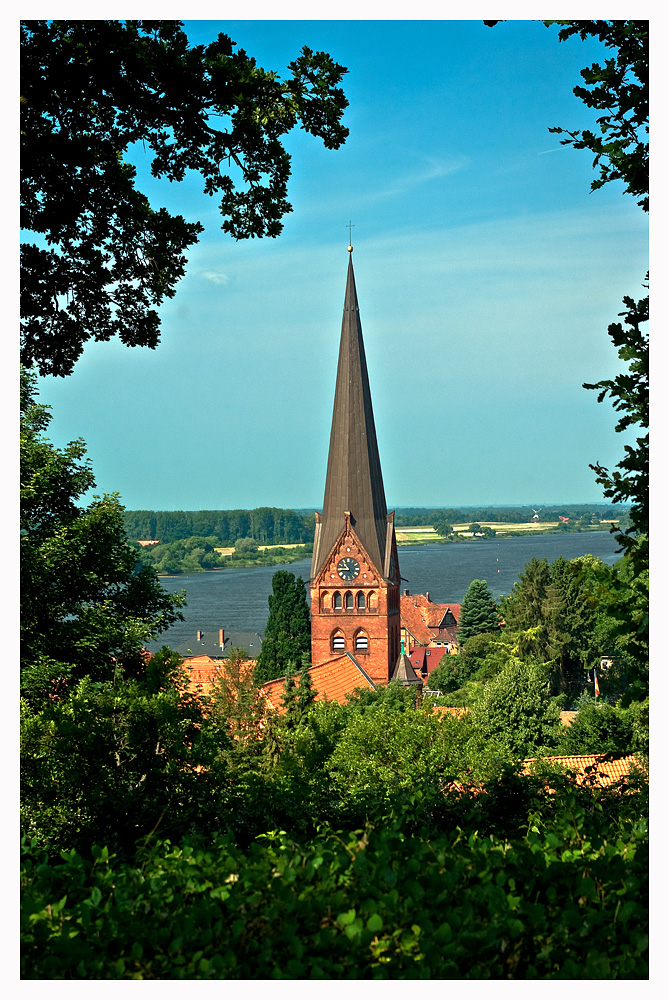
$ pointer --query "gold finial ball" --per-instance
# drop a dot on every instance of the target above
(349, 248)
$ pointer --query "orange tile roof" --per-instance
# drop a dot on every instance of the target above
(203, 671)
(422, 617)
(603, 773)
(332, 680)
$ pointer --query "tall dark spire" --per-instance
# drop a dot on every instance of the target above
(354, 483)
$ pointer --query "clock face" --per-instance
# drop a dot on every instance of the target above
(348, 569)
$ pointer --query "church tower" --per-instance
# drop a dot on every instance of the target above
(355, 579)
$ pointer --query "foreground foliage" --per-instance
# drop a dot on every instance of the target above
(562, 902)
(98, 258)
(87, 602)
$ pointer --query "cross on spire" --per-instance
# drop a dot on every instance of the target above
(350, 226)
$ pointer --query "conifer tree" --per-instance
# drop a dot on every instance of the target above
(298, 692)
(306, 693)
(288, 631)
(288, 697)
(478, 612)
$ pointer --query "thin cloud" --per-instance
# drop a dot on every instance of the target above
(431, 170)
(218, 277)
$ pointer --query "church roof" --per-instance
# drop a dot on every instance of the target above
(333, 680)
(353, 482)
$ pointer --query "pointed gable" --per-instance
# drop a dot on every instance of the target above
(354, 482)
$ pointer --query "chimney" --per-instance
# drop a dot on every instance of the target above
(198, 636)
(221, 637)
(427, 596)
(406, 593)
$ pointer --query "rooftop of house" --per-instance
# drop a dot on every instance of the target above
(423, 618)
(218, 643)
(204, 670)
(589, 768)
(444, 636)
(332, 680)
(404, 671)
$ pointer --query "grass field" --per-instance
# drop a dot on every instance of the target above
(285, 545)
(426, 533)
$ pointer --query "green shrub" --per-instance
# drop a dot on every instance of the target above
(563, 902)
(515, 708)
(601, 729)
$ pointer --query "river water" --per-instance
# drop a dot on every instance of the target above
(236, 599)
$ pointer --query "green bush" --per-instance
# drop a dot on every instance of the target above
(515, 708)
(602, 729)
(559, 903)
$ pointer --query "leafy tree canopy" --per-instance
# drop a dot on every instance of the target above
(619, 88)
(516, 709)
(629, 393)
(247, 544)
(86, 601)
(98, 258)
(115, 759)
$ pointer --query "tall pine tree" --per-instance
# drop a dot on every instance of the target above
(478, 612)
(288, 631)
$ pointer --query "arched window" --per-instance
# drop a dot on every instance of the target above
(337, 601)
(349, 600)
(361, 642)
(361, 601)
(338, 642)
(373, 602)
(325, 602)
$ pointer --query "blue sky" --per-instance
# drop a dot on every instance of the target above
(487, 274)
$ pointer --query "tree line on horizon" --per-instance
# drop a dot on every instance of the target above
(281, 526)
(267, 525)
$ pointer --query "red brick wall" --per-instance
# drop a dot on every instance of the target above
(380, 618)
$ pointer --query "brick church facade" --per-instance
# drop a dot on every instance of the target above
(355, 578)
(357, 630)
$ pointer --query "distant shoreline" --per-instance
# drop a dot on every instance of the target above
(433, 540)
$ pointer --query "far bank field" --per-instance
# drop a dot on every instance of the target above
(176, 542)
